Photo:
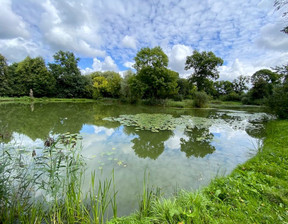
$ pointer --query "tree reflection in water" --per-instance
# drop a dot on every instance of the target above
(147, 144)
(199, 142)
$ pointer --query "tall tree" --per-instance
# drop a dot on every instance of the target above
(205, 66)
(157, 81)
(240, 84)
(263, 82)
(32, 74)
(70, 82)
(154, 58)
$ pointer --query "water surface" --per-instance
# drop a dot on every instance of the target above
(174, 159)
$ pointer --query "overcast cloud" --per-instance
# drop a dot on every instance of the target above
(246, 34)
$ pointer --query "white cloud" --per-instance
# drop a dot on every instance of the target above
(177, 58)
(107, 65)
(272, 39)
(11, 24)
(244, 30)
(129, 42)
(129, 64)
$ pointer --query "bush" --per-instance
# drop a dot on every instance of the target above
(178, 97)
(201, 99)
(231, 97)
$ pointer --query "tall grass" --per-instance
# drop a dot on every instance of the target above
(47, 188)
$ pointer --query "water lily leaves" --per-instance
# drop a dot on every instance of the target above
(162, 122)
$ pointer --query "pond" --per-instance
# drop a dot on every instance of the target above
(176, 148)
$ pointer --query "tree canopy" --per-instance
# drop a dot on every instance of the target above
(148, 57)
(156, 79)
(205, 66)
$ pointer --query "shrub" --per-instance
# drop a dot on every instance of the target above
(231, 97)
(201, 99)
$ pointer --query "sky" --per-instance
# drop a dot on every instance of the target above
(107, 34)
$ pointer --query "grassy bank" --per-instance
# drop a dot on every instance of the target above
(256, 192)
(26, 99)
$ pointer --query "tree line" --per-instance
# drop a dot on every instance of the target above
(153, 80)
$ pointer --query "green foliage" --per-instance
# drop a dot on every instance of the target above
(156, 81)
(240, 84)
(278, 101)
(223, 88)
(106, 84)
(132, 89)
(148, 57)
(205, 67)
(263, 82)
(69, 81)
(185, 89)
(4, 85)
(32, 74)
(200, 99)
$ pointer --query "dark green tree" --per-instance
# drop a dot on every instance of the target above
(131, 88)
(32, 74)
(4, 85)
(223, 88)
(69, 81)
(263, 82)
(157, 81)
(185, 89)
(240, 84)
(205, 66)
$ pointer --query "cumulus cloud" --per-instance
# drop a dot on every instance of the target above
(177, 58)
(272, 39)
(11, 24)
(129, 64)
(114, 30)
(129, 42)
(107, 65)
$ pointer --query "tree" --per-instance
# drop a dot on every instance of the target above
(157, 81)
(70, 82)
(32, 74)
(4, 86)
(205, 67)
(106, 84)
(283, 71)
(223, 88)
(281, 4)
(263, 82)
(185, 89)
(154, 58)
(131, 88)
(240, 84)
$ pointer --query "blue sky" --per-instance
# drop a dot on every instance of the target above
(106, 35)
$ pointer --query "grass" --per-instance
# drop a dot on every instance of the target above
(256, 192)
(26, 99)
(55, 176)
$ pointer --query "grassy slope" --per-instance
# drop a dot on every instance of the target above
(256, 192)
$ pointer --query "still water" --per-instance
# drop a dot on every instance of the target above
(179, 158)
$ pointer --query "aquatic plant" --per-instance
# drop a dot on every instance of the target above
(46, 187)
(163, 122)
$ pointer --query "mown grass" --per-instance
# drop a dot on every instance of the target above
(26, 99)
(255, 192)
